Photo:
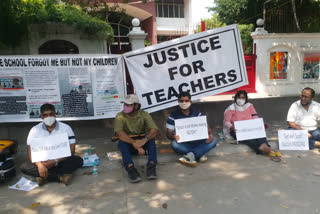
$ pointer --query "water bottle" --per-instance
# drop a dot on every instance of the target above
(89, 149)
(94, 169)
(86, 158)
(220, 137)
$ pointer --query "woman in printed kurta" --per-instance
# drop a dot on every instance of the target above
(241, 109)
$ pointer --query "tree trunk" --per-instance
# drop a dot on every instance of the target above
(295, 15)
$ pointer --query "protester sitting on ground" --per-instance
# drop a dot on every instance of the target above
(192, 151)
(239, 110)
(304, 114)
(61, 169)
(133, 121)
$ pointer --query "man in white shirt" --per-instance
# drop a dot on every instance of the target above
(51, 170)
(304, 114)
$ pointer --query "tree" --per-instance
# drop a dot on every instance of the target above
(240, 11)
(16, 16)
(211, 23)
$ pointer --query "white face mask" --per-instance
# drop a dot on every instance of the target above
(184, 106)
(240, 102)
(49, 121)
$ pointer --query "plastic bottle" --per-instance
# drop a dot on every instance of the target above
(220, 137)
(89, 149)
(94, 169)
(86, 158)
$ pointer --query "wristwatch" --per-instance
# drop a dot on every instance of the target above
(56, 162)
(147, 139)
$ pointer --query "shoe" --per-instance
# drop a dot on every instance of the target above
(151, 172)
(278, 154)
(41, 181)
(186, 161)
(133, 175)
(272, 154)
(65, 179)
(203, 159)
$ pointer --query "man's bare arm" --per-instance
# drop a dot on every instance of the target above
(294, 125)
(124, 137)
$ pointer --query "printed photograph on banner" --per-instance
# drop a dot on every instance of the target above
(34, 110)
(12, 93)
(12, 82)
(109, 88)
(204, 64)
(76, 91)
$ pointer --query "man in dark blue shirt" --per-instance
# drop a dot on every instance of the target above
(192, 151)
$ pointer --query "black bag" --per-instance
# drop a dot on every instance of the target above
(7, 149)
(7, 170)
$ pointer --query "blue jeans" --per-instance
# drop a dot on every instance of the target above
(315, 136)
(127, 150)
(198, 148)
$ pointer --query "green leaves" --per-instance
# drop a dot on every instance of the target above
(17, 15)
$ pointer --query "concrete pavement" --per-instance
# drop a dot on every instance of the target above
(234, 183)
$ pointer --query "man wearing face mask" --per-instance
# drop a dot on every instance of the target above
(304, 114)
(192, 151)
(61, 169)
(129, 124)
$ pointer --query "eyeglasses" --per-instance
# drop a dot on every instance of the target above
(184, 101)
(306, 97)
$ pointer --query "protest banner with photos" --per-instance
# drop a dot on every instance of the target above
(81, 87)
(250, 129)
(192, 128)
(293, 139)
(204, 64)
(50, 147)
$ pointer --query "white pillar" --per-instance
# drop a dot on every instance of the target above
(136, 35)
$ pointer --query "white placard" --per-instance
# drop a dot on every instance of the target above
(250, 129)
(204, 64)
(24, 184)
(193, 128)
(293, 140)
(50, 147)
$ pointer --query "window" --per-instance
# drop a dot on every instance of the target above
(278, 65)
(311, 62)
(170, 8)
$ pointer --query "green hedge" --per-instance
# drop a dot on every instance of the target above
(16, 16)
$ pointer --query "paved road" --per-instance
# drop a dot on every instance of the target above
(239, 183)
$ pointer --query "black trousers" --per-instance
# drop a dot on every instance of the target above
(254, 144)
(66, 166)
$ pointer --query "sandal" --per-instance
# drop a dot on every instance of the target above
(275, 159)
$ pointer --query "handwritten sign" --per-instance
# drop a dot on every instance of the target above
(193, 128)
(250, 129)
(293, 140)
(50, 147)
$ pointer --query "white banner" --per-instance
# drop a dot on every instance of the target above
(293, 139)
(250, 129)
(193, 128)
(204, 64)
(50, 147)
(81, 87)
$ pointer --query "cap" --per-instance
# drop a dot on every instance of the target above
(130, 99)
